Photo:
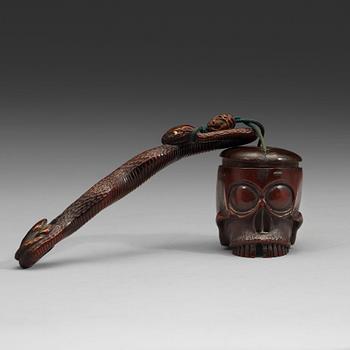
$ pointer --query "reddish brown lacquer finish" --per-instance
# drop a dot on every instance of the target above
(258, 199)
(178, 142)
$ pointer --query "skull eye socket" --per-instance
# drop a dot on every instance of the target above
(243, 198)
(280, 198)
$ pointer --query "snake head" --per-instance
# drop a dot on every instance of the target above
(28, 252)
(178, 135)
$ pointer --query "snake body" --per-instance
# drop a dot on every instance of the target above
(178, 142)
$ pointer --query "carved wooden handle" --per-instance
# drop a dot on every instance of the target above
(178, 142)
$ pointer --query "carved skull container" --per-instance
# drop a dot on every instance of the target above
(258, 198)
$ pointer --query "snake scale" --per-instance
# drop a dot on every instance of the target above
(178, 142)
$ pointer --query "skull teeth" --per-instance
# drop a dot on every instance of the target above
(260, 250)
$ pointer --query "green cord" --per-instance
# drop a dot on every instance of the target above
(256, 126)
(258, 132)
(201, 129)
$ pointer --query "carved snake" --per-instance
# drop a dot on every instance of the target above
(178, 142)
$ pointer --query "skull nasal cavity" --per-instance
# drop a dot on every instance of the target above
(262, 221)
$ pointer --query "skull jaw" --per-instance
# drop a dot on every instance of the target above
(241, 237)
(266, 244)
(245, 242)
(260, 248)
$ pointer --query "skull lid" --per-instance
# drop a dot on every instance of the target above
(255, 157)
